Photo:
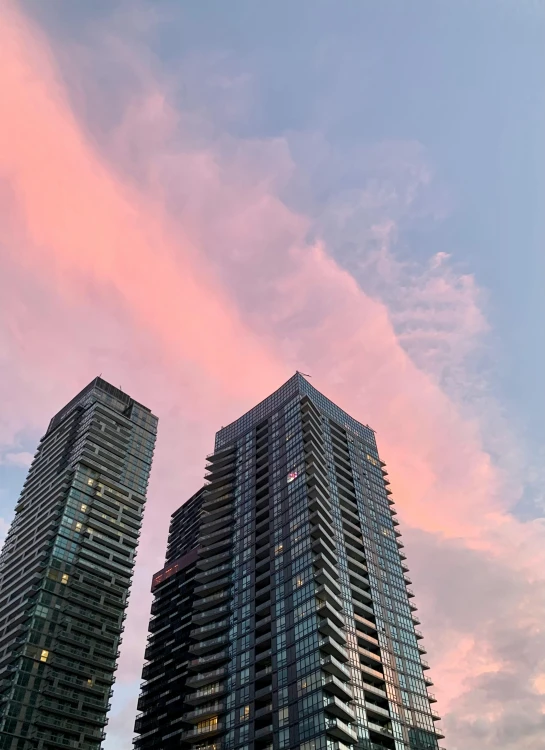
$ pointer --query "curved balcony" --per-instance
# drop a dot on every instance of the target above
(212, 573)
(211, 601)
(206, 678)
(202, 733)
(207, 615)
(205, 631)
(203, 712)
(211, 550)
(202, 647)
(208, 661)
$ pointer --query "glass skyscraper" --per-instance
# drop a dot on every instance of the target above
(65, 571)
(283, 617)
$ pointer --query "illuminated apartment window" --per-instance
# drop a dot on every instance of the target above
(64, 578)
(44, 655)
(209, 725)
(244, 713)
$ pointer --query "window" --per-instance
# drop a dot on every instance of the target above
(244, 713)
(64, 578)
(44, 655)
(283, 716)
(209, 725)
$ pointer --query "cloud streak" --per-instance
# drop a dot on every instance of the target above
(176, 266)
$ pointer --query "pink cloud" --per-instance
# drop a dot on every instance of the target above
(202, 309)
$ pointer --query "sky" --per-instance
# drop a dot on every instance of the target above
(198, 199)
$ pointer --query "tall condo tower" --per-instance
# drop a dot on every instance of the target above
(65, 571)
(283, 617)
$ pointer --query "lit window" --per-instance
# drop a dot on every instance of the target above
(78, 526)
(64, 578)
(90, 482)
(209, 725)
(244, 713)
(292, 476)
(44, 655)
(83, 507)
(279, 549)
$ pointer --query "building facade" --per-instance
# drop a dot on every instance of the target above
(65, 571)
(294, 627)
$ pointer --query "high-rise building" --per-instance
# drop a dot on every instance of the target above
(65, 571)
(283, 617)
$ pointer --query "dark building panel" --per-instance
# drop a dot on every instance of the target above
(66, 568)
(302, 623)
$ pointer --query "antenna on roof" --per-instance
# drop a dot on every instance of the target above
(305, 374)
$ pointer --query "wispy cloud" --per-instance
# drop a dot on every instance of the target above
(21, 459)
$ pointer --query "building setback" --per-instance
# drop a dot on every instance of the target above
(283, 617)
(65, 571)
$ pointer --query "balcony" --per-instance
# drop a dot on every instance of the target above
(374, 708)
(333, 666)
(211, 550)
(211, 601)
(210, 587)
(326, 610)
(370, 672)
(219, 513)
(207, 563)
(206, 694)
(206, 631)
(327, 627)
(200, 618)
(341, 731)
(218, 499)
(208, 661)
(204, 576)
(370, 657)
(204, 712)
(322, 577)
(383, 729)
(362, 609)
(356, 554)
(324, 563)
(263, 711)
(374, 690)
(325, 593)
(322, 547)
(266, 731)
(330, 646)
(203, 646)
(211, 537)
(201, 733)
(338, 708)
(263, 692)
